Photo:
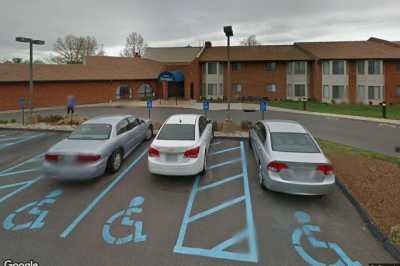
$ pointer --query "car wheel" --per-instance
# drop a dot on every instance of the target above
(149, 133)
(115, 161)
(250, 143)
(203, 172)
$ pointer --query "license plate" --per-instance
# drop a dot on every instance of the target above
(171, 157)
(68, 158)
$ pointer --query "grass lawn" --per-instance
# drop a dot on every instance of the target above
(332, 147)
(393, 112)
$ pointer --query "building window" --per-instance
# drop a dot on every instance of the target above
(360, 92)
(325, 91)
(290, 90)
(236, 87)
(271, 87)
(398, 91)
(374, 92)
(299, 68)
(338, 92)
(338, 67)
(326, 68)
(361, 67)
(221, 90)
(374, 67)
(290, 68)
(270, 66)
(299, 90)
(212, 89)
(398, 66)
(203, 89)
(212, 68)
(235, 66)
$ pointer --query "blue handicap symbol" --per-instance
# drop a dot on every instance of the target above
(126, 221)
(149, 103)
(206, 105)
(35, 209)
(263, 106)
(307, 230)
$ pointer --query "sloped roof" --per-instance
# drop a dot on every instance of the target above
(255, 53)
(172, 54)
(95, 68)
(371, 49)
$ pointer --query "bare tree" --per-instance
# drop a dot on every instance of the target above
(101, 51)
(73, 49)
(250, 41)
(134, 44)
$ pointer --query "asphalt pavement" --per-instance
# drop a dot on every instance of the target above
(136, 218)
(372, 136)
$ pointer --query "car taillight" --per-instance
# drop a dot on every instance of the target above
(276, 167)
(326, 169)
(153, 152)
(51, 157)
(192, 153)
(87, 158)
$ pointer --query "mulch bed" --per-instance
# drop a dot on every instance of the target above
(374, 183)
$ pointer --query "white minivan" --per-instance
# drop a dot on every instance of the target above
(181, 145)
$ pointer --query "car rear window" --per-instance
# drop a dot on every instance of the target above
(177, 132)
(293, 142)
(92, 132)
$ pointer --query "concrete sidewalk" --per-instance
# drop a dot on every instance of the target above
(192, 104)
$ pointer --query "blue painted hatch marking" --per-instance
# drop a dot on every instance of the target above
(18, 140)
(248, 233)
(307, 230)
(127, 220)
(224, 150)
(102, 194)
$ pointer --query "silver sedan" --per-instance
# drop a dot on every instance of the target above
(289, 159)
(99, 145)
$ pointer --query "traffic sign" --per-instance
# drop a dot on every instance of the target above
(206, 105)
(149, 103)
(21, 102)
(263, 106)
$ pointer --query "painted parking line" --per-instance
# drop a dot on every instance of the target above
(20, 140)
(224, 150)
(100, 196)
(22, 185)
(224, 163)
(220, 250)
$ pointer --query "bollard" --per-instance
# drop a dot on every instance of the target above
(304, 103)
(384, 109)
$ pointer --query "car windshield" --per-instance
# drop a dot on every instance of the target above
(293, 142)
(177, 132)
(92, 132)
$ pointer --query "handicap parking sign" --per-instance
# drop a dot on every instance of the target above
(149, 103)
(206, 105)
(21, 102)
(263, 106)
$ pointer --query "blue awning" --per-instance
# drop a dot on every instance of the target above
(176, 76)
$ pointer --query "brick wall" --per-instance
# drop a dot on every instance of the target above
(352, 89)
(392, 81)
(254, 78)
(55, 93)
(316, 81)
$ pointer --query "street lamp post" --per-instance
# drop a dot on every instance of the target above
(31, 43)
(228, 33)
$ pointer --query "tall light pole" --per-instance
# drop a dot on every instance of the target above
(228, 33)
(31, 43)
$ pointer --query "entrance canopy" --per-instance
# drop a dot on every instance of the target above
(176, 76)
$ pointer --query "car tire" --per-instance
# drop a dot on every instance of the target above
(149, 133)
(203, 172)
(115, 161)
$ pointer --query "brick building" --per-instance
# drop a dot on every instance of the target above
(365, 72)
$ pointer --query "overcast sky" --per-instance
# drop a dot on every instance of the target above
(179, 23)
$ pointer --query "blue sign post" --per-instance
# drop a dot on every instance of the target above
(263, 108)
(206, 106)
(21, 102)
(149, 105)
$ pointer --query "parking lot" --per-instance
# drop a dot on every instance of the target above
(135, 218)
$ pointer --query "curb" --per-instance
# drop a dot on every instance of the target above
(390, 247)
